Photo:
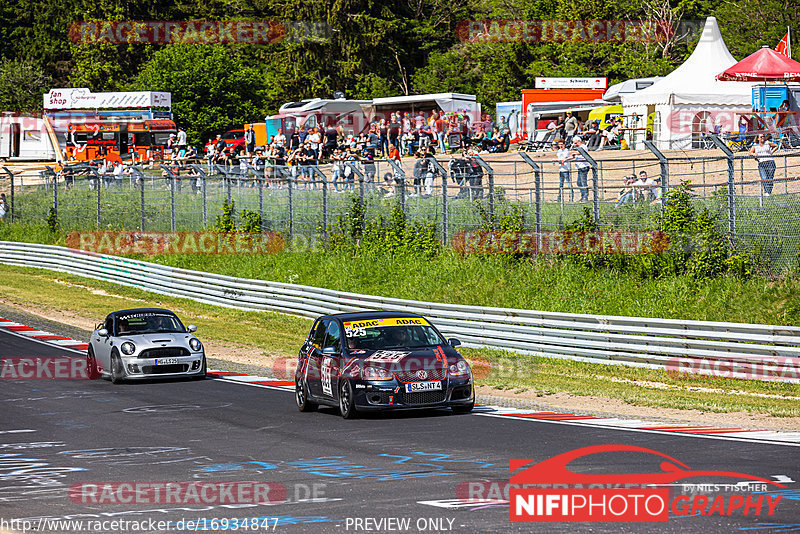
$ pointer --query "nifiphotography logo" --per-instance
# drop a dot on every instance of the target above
(548, 491)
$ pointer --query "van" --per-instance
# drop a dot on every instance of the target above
(604, 114)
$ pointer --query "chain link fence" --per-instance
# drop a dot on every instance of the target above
(760, 216)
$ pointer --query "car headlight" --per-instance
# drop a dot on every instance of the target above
(460, 368)
(375, 373)
(195, 344)
(127, 348)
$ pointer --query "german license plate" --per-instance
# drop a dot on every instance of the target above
(423, 386)
(166, 361)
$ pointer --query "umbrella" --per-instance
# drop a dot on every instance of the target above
(765, 65)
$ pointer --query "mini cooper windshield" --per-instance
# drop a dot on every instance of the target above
(148, 323)
(377, 334)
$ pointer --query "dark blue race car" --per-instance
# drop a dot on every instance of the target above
(379, 361)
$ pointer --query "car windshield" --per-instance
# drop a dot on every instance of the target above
(148, 323)
(234, 135)
(377, 334)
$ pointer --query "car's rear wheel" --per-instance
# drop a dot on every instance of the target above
(347, 403)
(464, 408)
(117, 372)
(301, 397)
(91, 365)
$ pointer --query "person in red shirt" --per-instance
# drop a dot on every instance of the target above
(394, 154)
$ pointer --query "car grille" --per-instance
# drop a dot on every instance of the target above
(164, 352)
(424, 397)
(411, 376)
(164, 369)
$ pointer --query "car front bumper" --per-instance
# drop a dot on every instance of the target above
(146, 368)
(391, 395)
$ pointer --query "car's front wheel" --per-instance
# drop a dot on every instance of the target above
(301, 397)
(117, 372)
(347, 403)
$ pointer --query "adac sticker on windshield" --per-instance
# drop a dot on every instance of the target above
(391, 321)
(388, 356)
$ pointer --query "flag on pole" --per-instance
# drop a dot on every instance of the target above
(785, 45)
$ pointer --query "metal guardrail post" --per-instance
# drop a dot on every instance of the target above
(99, 187)
(203, 179)
(731, 191)
(664, 164)
(595, 184)
(141, 201)
(324, 180)
(11, 197)
(172, 203)
(490, 177)
(55, 196)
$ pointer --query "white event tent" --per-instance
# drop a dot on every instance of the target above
(690, 100)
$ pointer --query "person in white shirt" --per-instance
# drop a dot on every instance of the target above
(563, 159)
(763, 151)
(314, 139)
(279, 138)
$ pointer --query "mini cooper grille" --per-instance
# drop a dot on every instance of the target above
(164, 352)
(414, 376)
(164, 369)
(424, 397)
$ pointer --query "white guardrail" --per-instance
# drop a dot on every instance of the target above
(722, 349)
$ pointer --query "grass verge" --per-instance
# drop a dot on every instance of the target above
(280, 335)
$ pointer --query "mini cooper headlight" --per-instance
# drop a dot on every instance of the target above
(127, 348)
(195, 344)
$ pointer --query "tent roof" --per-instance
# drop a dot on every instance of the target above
(694, 81)
(763, 65)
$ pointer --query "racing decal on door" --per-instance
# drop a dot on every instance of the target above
(326, 376)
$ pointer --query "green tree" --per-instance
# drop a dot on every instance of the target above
(22, 84)
(212, 88)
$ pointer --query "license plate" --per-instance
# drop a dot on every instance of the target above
(166, 361)
(423, 386)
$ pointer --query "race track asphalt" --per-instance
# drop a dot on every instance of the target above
(55, 434)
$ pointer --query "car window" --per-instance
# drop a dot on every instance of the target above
(318, 337)
(388, 334)
(109, 324)
(148, 323)
(333, 337)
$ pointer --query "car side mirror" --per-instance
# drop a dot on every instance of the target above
(330, 350)
(453, 342)
(192, 328)
(102, 332)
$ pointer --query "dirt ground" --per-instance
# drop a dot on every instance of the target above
(282, 366)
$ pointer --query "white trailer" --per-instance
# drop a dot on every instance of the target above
(24, 138)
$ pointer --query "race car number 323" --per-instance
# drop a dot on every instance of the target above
(423, 386)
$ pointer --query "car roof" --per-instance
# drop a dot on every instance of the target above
(358, 316)
(141, 310)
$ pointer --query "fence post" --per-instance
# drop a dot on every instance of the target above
(398, 171)
(490, 175)
(595, 183)
(664, 163)
(731, 191)
(441, 170)
(324, 180)
(11, 198)
(289, 180)
(141, 200)
(99, 186)
(537, 172)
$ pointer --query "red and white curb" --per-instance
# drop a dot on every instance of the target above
(41, 335)
(633, 425)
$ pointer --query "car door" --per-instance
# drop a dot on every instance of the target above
(314, 365)
(331, 359)
(102, 345)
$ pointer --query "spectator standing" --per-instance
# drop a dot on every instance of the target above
(314, 141)
(582, 166)
(394, 131)
(181, 142)
(570, 127)
(3, 206)
(250, 141)
(763, 151)
(280, 138)
(563, 160)
(439, 129)
(383, 136)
